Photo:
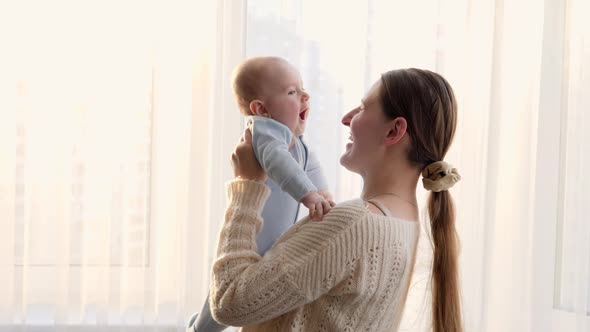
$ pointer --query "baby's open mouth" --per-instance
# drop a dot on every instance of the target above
(303, 115)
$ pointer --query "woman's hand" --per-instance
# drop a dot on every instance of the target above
(244, 161)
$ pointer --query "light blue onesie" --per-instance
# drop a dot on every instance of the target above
(281, 209)
(271, 140)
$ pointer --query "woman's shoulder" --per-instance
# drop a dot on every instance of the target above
(355, 203)
(353, 215)
(347, 220)
(350, 210)
(340, 216)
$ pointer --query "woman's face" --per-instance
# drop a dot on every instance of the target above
(368, 129)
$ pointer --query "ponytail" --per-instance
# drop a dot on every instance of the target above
(446, 306)
(427, 102)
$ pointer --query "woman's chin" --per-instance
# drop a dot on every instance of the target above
(348, 160)
(344, 159)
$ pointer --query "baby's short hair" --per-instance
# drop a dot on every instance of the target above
(247, 80)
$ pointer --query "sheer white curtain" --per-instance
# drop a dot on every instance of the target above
(111, 159)
(573, 230)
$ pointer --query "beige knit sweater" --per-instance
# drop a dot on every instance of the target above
(349, 272)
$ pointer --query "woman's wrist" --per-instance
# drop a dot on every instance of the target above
(247, 193)
(260, 179)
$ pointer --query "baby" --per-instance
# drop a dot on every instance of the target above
(269, 92)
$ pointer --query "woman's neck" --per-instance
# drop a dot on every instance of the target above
(398, 180)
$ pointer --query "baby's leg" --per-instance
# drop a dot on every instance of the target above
(205, 321)
(279, 214)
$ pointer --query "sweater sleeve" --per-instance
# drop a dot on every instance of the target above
(271, 140)
(247, 288)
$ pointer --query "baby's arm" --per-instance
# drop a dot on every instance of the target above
(271, 141)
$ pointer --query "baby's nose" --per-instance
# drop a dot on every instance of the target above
(305, 96)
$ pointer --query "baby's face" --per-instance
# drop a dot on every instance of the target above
(285, 100)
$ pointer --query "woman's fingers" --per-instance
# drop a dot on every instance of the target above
(244, 161)
(247, 136)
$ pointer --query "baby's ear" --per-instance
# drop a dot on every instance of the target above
(257, 108)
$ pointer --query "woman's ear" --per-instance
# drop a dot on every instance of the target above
(257, 108)
(396, 130)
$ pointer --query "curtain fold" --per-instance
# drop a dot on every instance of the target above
(572, 275)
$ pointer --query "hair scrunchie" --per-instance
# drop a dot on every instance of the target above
(439, 176)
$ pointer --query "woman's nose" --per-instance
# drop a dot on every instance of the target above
(348, 117)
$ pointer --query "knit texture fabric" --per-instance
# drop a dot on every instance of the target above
(349, 272)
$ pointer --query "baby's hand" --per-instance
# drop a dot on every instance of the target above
(328, 197)
(318, 205)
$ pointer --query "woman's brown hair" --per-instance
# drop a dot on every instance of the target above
(426, 100)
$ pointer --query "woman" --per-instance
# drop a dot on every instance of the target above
(351, 271)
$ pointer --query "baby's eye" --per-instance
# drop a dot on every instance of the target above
(292, 92)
